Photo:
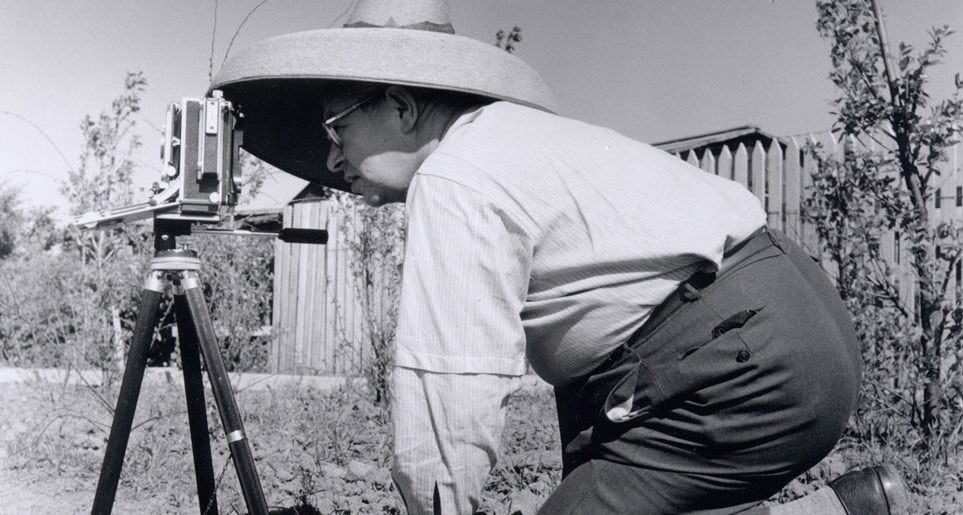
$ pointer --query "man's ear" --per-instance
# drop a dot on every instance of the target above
(403, 104)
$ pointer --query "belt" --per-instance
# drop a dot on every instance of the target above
(689, 290)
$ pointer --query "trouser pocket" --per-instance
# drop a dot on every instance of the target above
(687, 355)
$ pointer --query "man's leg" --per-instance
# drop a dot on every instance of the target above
(823, 501)
(746, 385)
(877, 490)
(603, 487)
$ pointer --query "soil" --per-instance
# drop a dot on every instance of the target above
(52, 438)
(26, 492)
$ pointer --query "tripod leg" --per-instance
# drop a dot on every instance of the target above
(224, 396)
(196, 410)
(129, 392)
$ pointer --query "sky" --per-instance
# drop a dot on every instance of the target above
(653, 70)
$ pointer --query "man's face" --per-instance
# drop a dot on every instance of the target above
(375, 154)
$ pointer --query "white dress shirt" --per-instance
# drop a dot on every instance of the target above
(533, 236)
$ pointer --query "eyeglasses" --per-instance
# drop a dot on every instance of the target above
(333, 134)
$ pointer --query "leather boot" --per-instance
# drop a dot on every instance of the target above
(875, 490)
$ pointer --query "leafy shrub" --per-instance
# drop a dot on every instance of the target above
(910, 409)
(238, 278)
(375, 242)
(49, 313)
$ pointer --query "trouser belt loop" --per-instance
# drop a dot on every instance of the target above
(758, 241)
(691, 292)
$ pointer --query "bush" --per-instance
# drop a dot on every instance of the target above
(50, 314)
(375, 242)
(238, 278)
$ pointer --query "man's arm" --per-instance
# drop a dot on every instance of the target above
(459, 343)
(447, 429)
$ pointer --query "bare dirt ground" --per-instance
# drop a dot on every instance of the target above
(37, 491)
(29, 492)
(33, 491)
(323, 449)
(317, 451)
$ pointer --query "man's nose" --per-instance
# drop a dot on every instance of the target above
(335, 159)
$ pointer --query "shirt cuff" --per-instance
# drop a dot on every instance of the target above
(460, 364)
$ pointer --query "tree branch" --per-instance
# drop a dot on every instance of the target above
(884, 49)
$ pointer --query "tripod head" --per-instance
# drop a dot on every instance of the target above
(200, 157)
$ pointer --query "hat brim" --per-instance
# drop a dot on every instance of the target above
(277, 84)
(282, 126)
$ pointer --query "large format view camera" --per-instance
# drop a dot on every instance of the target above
(200, 152)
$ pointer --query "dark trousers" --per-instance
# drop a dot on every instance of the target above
(737, 383)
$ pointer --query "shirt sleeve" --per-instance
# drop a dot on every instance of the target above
(466, 275)
(460, 345)
(447, 428)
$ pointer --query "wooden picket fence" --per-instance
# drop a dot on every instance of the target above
(779, 175)
(318, 317)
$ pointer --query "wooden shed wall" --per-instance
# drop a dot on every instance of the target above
(315, 304)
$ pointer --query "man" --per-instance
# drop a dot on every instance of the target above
(700, 361)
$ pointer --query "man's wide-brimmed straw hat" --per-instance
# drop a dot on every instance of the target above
(278, 82)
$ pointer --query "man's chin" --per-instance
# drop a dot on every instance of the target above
(372, 197)
(373, 200)
(375, 196)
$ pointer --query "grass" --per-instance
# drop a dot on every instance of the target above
(324, 452)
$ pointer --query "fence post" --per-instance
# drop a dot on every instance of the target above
(725, 168)
(757, 172)
(692, 159)
(774, 185)
(708, 162)
(793, 189)
(742, 167)
(810, 239)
